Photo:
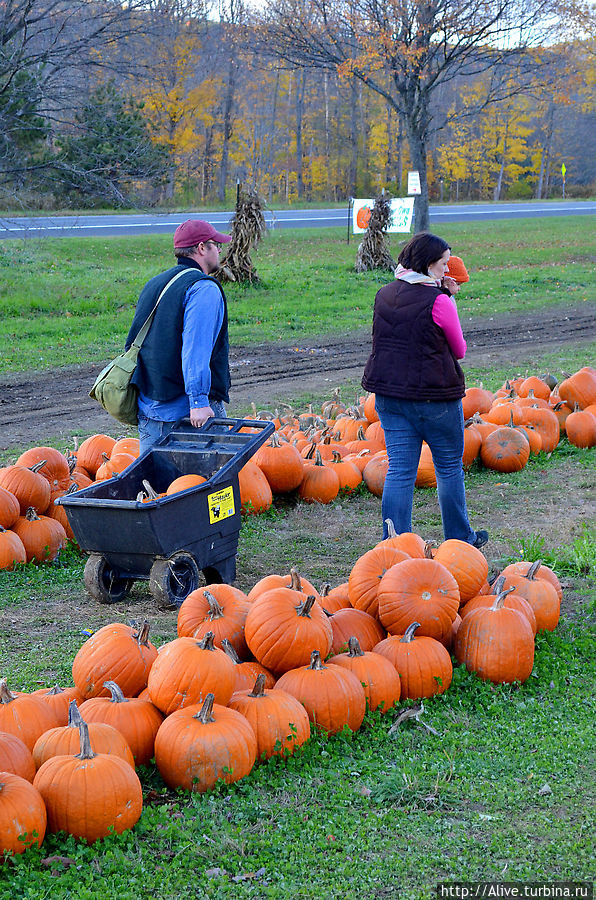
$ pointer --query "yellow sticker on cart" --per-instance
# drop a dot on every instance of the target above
(221, 505)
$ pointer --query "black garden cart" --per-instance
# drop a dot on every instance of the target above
(167, 540)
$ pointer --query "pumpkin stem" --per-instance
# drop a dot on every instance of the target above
(325, 588)
(354, 648)
(31, 514)
(39, 465)
(74, 715)
(305, 608)
(311, 451)
(428, 549)
(259, 688)
(409, 634)
(116, 692)
(318, 458)
(215, 609)
(143, 635)
(205, 714)
(498, 585)
(531, 573)
(391, 532)
(86, 751)
(55, 690)
(6, 695)
(336, 456)
(295, 583)
(500, 598)
(231, 652)
(207, 642)
(315, 661)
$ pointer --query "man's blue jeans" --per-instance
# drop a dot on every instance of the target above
(406, 424)
(152, 430)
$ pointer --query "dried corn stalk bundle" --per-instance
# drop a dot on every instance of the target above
(373, 252)
(248, 227)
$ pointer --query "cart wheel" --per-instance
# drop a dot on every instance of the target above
(172, 580)
(103, 582)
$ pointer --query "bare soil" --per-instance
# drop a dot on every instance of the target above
(50, 407)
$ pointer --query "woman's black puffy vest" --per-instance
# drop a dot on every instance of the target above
(411, 359)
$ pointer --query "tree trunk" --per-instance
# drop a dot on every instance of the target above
(300, 86)
(543, 178)
(389, 161)
(353, 167)
(364, 129)
(400, 154)
(272, 132)
(418, 141)
(227, 124)
(499, 185)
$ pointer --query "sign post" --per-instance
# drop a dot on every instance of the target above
(563, 170)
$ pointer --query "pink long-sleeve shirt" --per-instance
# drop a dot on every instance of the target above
(446, 317)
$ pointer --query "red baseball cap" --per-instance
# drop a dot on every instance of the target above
(194, 231)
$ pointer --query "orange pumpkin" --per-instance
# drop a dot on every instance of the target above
(199, 745)
(22, 814)
(90, 794)
(420, 590)
(279, 721)
(332, 696)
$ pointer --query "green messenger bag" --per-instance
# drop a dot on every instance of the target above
(113, 388)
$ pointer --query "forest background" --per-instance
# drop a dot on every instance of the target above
(170, 103)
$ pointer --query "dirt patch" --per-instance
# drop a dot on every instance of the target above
(51, 406)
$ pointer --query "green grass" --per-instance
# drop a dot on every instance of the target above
(67, 301)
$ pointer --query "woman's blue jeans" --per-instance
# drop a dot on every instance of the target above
(406, 424)
(152, 430)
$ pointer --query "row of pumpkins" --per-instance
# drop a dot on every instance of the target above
(249, 673)
(525, 416)
(315, 454)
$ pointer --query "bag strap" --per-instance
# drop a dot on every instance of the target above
(144, 329)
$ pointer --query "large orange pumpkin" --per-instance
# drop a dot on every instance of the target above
(366, 575)
(199, 745)
(90, 794)
(279, 721)
(116, 652)
(496, 643)
(283, 626)
(23, 818)
(186, 670)
(420, 590)
(423, 664)
(467, 564)
(332, 696)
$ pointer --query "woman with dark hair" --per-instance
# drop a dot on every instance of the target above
(414, 372)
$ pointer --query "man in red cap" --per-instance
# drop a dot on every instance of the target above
(182, 368)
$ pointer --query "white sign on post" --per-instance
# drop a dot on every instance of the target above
(402, 209)
(414, 183)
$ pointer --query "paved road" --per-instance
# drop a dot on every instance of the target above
(100, 226)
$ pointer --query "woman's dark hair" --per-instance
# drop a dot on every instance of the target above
(421, 251)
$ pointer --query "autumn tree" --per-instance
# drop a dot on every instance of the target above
(407, 50)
